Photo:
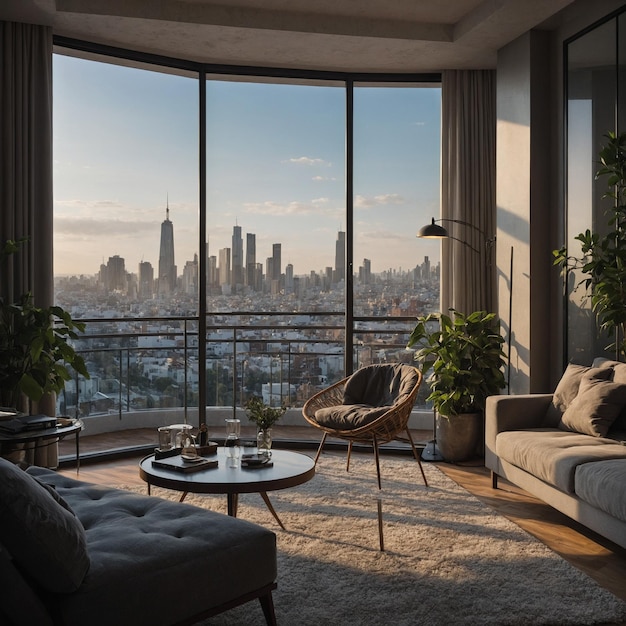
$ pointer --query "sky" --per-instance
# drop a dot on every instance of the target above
(126, 147)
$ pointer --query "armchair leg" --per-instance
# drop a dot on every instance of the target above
(416, 455)
(349, 455)
(494, 480)
(375, 443)
(319, 450)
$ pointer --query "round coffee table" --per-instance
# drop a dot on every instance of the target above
(288, 470)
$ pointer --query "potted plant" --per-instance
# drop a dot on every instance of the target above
(603, 260)
(35, 355)
(467, 361)
(264, 417)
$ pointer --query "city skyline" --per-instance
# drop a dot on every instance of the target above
(126, 139)
(226, 270)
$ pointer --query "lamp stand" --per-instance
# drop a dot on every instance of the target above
(431, 451)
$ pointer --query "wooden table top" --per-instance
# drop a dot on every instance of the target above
(288, 470)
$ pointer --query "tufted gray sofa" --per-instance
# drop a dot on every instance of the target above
(74, 553)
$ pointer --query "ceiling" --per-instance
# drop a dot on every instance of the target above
(336, 35)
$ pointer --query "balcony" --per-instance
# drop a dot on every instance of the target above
(145, 371)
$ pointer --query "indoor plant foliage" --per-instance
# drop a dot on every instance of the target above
(34, 351)
(603, 260)
(261, 414)
(466, 357)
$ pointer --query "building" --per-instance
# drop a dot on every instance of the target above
(167, 265)
(339, 274)
(251, 278)
(237, 272)
(146, 280)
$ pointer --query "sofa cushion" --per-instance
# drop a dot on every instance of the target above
(553, 455)
(46, 540)
(596, 407)
(603, 485)
(348, 416)
(567, 390)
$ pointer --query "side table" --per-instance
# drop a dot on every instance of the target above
(10, 443)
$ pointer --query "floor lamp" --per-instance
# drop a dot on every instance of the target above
(431, 451)
(435, 231)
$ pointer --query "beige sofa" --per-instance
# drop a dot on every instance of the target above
(567, 448)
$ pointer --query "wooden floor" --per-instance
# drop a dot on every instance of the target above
(600, 559)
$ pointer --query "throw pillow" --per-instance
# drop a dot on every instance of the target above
(47, 542)
(595, 408)
(567, 390)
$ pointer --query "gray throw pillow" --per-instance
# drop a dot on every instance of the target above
(595, 408)
(46, 540)
(567, 390)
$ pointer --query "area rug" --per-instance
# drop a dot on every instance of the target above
(448, 559)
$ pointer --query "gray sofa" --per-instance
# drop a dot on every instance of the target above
(73, 553)
(567, 448)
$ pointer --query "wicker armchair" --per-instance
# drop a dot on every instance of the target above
(372, 406)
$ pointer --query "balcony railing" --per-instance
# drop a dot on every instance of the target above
(144, 370)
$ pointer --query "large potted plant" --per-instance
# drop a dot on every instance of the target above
(35, 355)
(603, 260)
(467, 362)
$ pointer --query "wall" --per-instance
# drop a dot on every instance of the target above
(523, 203)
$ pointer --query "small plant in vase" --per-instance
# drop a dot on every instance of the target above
(264, 417)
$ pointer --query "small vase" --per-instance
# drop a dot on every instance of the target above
(264, 441)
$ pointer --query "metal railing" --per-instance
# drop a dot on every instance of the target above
(149, 364)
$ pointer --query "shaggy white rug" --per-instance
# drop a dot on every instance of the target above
(448, 559)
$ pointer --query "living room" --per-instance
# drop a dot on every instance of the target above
(532, 52)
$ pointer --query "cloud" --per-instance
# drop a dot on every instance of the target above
(380, 235)
(89, 227)
(319, 179)
(309, 161)
(316, 206)
(363, 202)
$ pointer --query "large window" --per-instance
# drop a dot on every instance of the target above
(594, 71)
(299, 232)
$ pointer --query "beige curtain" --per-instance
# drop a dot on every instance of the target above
(468, 190)
(26, 159)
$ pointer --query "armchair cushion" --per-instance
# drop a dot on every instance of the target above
(349, 416)
(46, 540)
(380, 385)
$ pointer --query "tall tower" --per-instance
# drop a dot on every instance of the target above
(167, 267)
(276, 262)
(340, 258)
(237, 258)
(251, 261)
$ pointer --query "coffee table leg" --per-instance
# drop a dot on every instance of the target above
(271, 508)
(183, 496)
(233, 501)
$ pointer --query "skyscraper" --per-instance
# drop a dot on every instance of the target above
(340, 258)
(276, 263)
(251, 261)
(237, 275)
(167, 267)
(146, 279)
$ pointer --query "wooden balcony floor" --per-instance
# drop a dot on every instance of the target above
(597, 557)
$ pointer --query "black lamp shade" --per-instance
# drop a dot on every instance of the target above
(432, 231)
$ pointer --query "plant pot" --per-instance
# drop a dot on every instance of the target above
(458, 436)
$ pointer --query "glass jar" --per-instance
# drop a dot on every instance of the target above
(232, 443)
(264, 442)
